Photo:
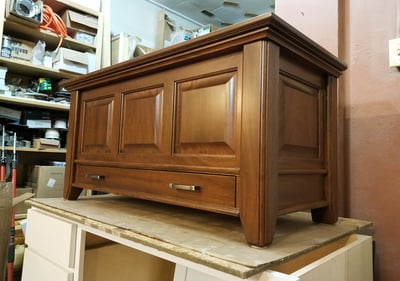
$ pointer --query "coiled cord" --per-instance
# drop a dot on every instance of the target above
(54, 23)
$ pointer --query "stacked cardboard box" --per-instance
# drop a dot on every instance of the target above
(47, 181)
(70, 60)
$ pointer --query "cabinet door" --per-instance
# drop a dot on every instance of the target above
(187, 118)
(146, 106)
(208, 113)
(98, 124)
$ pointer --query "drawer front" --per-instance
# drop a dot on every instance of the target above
(201, 191)
(38, 268)
(52, 238)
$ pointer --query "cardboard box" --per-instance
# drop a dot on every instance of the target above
(123, 47)
(47, 181)
(80, 22)
(43, 143)
(11, 114)
(84, 37)
(40, 124)
(206, 29)
(90, 4)
(165, 27)
(91, 61)
(37, 119)
(21, 49)
(70, 60)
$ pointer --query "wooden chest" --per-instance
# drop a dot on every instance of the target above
(243, 121)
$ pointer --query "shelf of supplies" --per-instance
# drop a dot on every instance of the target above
(22, 31)
(28, 149)
(27, 68)
(34, 103)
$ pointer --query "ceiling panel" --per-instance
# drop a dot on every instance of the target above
(217, 12)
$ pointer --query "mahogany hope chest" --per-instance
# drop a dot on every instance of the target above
(243, 121)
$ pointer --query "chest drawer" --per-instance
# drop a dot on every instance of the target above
(202, 191)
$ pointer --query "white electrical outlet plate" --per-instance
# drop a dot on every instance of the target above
(394, 52)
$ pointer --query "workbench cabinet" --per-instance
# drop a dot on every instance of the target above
(243, 121)
(50, 248)
(74, 246)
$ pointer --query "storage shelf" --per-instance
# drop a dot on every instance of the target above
(27, 68)
(19, 30)
(34, 103)
(60, 5)
(27, 149)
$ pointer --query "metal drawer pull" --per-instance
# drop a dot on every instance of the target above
(184, 187)
(94, 177)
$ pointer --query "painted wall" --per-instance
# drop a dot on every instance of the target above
(371, 100)
(373, 127)
(317, 19)
(140, 19)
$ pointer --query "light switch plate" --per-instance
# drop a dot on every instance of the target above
(394, 52)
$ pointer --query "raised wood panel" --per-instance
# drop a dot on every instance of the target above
(301, 190)
(99, 124)
(98, 138)
(301, 123)
(293, 65)
(141, 123)
(206, 115)
(303, 120)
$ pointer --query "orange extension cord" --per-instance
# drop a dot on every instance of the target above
(54, 23)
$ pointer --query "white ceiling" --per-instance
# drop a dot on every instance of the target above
(217, 12)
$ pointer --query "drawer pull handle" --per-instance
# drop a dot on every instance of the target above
(184, 187)
(94, 177)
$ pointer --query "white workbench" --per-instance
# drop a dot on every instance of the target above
(129, 239)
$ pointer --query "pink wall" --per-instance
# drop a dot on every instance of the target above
(371, 100)
(373, 127)
(302, 15)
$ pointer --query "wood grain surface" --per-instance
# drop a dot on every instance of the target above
(207, 238)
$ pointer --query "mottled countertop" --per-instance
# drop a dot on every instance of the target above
(210, 239)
